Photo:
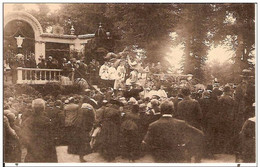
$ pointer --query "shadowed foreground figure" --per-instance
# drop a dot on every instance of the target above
(12, 149)
(130, 134)
(189, 109)
(108, 141)
(37, 135)
(173, 140)
(83, 125)
(247, 137)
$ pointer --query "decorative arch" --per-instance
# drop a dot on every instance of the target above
(26, 17)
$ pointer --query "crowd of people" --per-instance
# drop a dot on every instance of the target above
(134, 111)
(131, 123)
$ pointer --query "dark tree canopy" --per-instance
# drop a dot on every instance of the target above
(148, 27)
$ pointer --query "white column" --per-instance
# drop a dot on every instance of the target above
(19, 75)
(39, 50)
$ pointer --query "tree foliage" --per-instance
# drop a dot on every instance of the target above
(236, 29)
(148, 27)
(194, 27)
(203, 25)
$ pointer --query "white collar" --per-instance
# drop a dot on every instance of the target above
(167, 115)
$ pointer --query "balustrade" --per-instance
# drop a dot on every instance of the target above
(40, 76)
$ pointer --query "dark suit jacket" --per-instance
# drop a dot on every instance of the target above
(190, 111)
(168, 138)
(38, 139)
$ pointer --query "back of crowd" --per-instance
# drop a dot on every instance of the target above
(171, 129)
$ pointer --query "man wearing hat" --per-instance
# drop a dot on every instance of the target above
(70, 112)
(226, 119)
(154, 112)
(87, 99)
(144, 120)
(133, 92)
(244, 97)
(30, 61)
(49, 62)
(189, 109)
(206, 104)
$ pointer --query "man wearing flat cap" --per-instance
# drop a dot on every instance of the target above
(154, 111)
(37, 135)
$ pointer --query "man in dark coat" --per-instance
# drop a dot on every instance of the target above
(226, 120)
(176, 100)
(50, 63)
(144, 120)
(206, 106)
(189, 109)
(30, 62)
(173, 140)
(133, 92)
(37, 135)
(42, 63)
(209, 121)
(248, 142)
(54, 112)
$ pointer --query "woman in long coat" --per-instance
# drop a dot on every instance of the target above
(108, 140)
(83, 125)
(37, 135)
(130, 134)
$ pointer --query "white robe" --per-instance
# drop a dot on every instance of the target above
(103, 72)
(119, 82)
(134, 76)
(112, 73)
(152, 93)
(162, 93)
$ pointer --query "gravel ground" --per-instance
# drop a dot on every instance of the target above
(64, 157)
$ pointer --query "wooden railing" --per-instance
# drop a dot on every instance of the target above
(40, 76)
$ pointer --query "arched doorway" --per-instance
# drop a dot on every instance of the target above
(18, 28)
(39, 46)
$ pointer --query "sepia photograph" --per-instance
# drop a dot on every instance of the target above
(129, 82)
